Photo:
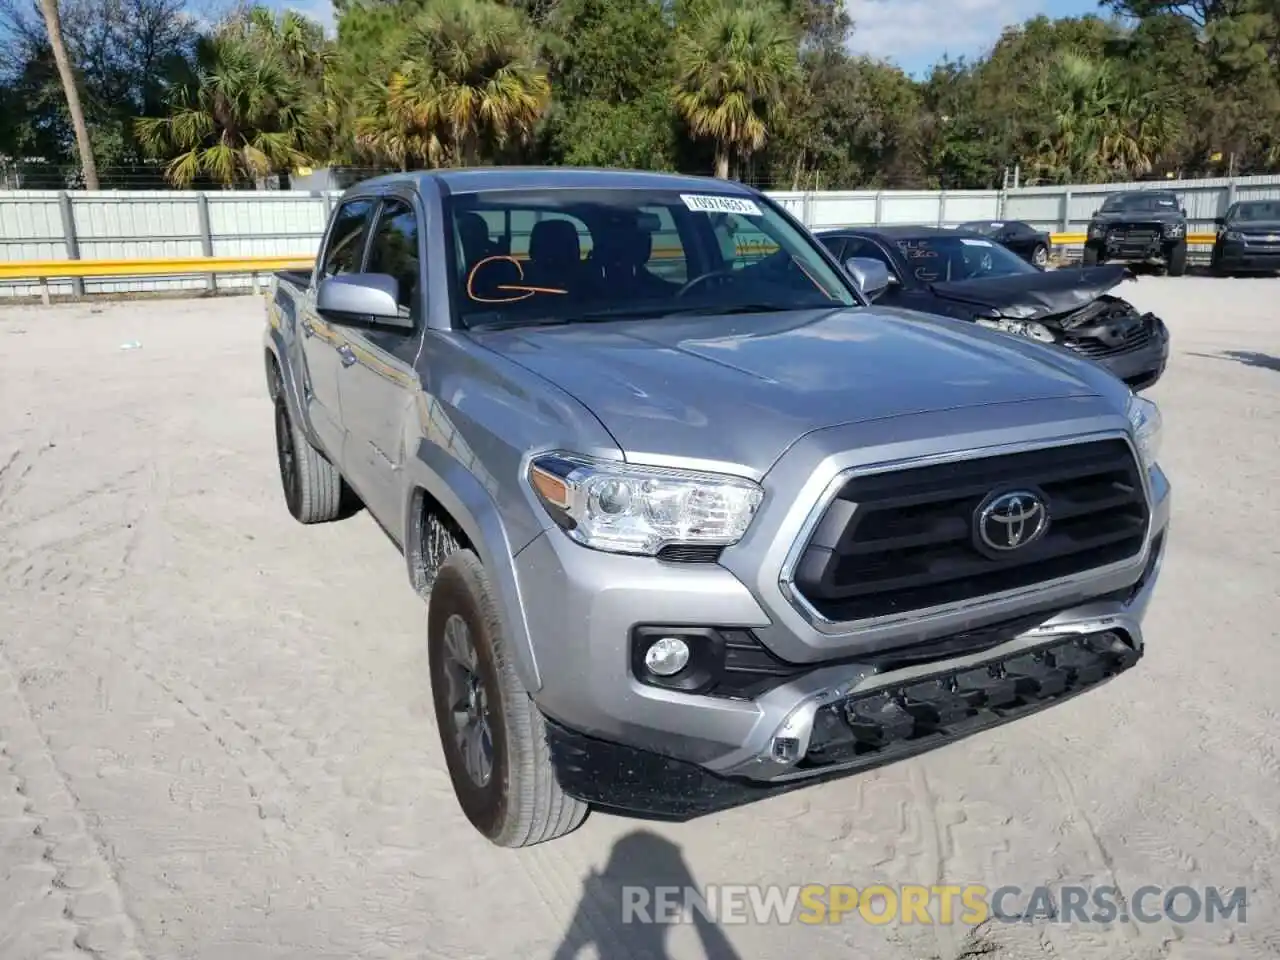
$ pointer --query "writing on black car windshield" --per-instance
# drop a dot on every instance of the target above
(570, 256)
(944, 259)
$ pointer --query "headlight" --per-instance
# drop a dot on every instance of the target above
(1095, 231)
(1018, 328)
(1234, 235)
(1148, 426)
(1173, 229)
(623, 508)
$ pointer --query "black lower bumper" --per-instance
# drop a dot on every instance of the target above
(849, 736)
(1240, 258)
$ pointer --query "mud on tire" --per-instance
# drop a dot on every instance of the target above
(519, 802)
(313, 488)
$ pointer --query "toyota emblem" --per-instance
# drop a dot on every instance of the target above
(1012, 520)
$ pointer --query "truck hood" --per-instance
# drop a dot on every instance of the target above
(1033, 296)
(740, 389)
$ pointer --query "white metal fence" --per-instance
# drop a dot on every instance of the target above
(55, 225)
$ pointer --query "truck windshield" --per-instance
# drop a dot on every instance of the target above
(565, 256)
(1141, 203)
(940, 259)
(1258, 210)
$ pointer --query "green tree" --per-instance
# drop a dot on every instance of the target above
(237, 112)
(470, 86)
(734, 66)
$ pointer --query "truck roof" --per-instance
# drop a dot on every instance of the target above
(481, 179)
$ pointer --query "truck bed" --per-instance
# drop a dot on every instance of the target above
(296, 278)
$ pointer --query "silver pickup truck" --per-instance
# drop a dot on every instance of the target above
(695, 522)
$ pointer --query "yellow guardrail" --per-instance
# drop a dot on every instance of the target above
(43, 271)
(173, 266)
(1078, 239)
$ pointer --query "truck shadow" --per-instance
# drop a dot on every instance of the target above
(1249, 358)
(619, 905)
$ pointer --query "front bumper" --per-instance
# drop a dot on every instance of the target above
(1117, 245)
(1142, 367)
(625, 745)
(1241, 256)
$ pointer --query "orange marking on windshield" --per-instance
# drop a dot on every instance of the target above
(525, 291)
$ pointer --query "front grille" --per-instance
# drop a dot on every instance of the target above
(895, 542)
(1135, 339)
(1135, 235)
(1262, 242)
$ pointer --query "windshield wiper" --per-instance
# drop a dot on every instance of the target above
(729, 310)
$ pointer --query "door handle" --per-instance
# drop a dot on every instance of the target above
(307, 329)
(346, 355)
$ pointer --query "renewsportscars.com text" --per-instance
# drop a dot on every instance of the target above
(932, 904)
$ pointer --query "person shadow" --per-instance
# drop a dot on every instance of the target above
(617, 902)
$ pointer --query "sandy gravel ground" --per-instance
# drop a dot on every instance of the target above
(215, 730)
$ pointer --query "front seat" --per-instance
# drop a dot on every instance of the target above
(555, 256)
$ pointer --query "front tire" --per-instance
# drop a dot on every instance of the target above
(1040, 256)
(494, 738)
(1177, 260)
(312, 485)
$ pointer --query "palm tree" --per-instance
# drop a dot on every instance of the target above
(734, 65)
(237, 113)
(470, 79)
(53, 26)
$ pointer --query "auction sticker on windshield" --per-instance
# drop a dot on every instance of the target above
(975, 243)
(719, 203)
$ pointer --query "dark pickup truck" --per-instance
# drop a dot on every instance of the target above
(695, 521)
(1139, 226)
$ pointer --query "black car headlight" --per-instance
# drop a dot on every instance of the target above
(1174, 230)
(1096, 230)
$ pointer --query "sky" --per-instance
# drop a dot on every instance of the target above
(912, 33)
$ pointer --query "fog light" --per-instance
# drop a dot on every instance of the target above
(667, 656)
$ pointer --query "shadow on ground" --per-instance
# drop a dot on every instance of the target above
(639, 863)
(1249, 358)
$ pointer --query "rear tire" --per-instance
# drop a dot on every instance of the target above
(312, 485)
(493, 736)
(1091, 256)
(1177, 260)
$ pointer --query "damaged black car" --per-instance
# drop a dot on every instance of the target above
(961, 274)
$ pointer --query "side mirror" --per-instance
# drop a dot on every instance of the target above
(1184, 211)
(871, 276)
(367, 297)
(1095, 213)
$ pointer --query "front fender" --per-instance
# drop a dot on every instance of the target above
(470, 500)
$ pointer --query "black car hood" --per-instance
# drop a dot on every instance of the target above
(1032, 296)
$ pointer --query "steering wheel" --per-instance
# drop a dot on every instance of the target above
(726, 274)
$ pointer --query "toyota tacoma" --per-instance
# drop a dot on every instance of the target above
(1139, 226)
(695, 522)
